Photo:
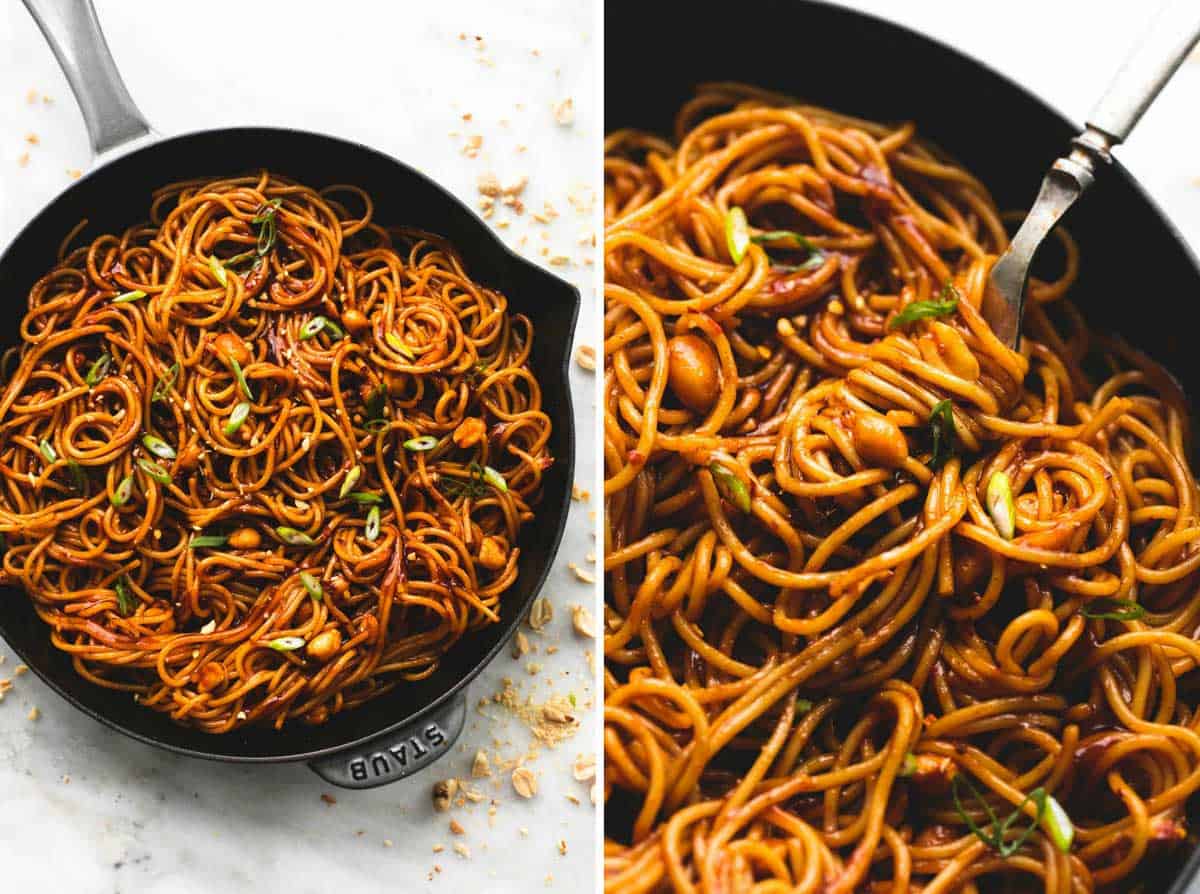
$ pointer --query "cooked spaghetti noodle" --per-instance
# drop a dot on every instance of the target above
(262, 458)
(890, 607)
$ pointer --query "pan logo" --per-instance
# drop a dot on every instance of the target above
(400, 758)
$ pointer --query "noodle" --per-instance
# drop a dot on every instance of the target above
(884, 598)
(262, 458)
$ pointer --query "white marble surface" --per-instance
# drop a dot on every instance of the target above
(396, 76)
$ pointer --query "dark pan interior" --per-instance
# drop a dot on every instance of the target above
(656, 53)
(117, 196)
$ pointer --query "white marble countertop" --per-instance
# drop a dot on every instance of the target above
(85, 810)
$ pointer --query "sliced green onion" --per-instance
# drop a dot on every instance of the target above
(495, 479)
(241, 377)
(375, 426)
(312, 327)
(165, 383)
(371, 528)
(334, 329)
(941, 425)
(77, 475)
(995, 838)
(47, 451)
(1113, 610)
(237, 259)
(921, 310)
(287, 643)
(236, 418)
(312, 585)
(99, 369)
(268, 223)
(768, 237)
(293, 537)
(421, 444)
(909, 767)
(737, 234)
(158, 447)
(365, 498)
(126, 601)
(803, 706)
(126, 297)
(214, 264)
(154, 470)
(350, 480)
(1058, 825)
(376, 401)
(1000, 506)
(731, 486)
(397, 345)
(206, 540)
(124, 490)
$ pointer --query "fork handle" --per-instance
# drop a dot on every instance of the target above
(1171, 36)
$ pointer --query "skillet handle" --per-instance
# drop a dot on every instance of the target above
(397, 754)
(73, 32)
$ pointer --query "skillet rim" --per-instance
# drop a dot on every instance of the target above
(565, 289)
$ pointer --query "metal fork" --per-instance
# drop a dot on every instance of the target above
(1169, 39)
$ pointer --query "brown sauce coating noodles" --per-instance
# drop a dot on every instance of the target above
(822, 634)
(263, 458)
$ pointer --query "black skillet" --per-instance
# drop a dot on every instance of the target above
(656, 53)
(414, 724)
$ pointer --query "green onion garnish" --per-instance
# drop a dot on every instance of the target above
(293, 537)
(236, 418)
(941, 424)
(126, 297)
(1000, 506)
(206, 540)
(237, 259)
(376, 402)
(365, 498)
(770, 236)
(944, 305)
(1113, 610)
(47, 451)
(397, 345)
(126, 602)
(218, 270)
(350, 480)
(241, 377)
(737, 234)
(803, 706)
(77, 475)
(158, 447)
(287, 643)
(1058, 825)
(909, 767)
(334, 329)
(124, 490)
(371, 528)
(995, 838)
(154, 470)
(312, 585)
(421, 444)
(266, 219)
(495, 479)
(312, 327)
(99, 369)
(731, 486)
(165, 383)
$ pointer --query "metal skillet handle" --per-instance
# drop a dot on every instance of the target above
(1171, 36)
(73, 32)
(397, 754)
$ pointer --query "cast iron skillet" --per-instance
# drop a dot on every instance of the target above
(406, 729)
(656, 53)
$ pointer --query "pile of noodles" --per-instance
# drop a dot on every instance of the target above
(833, 667)
(262, 458)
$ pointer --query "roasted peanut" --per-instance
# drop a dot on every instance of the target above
(469, 432)
(878, 440)
(325, 645)
(228, 345)
(245, 538)
(355, 321)
(692, 372)
(492, 554)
